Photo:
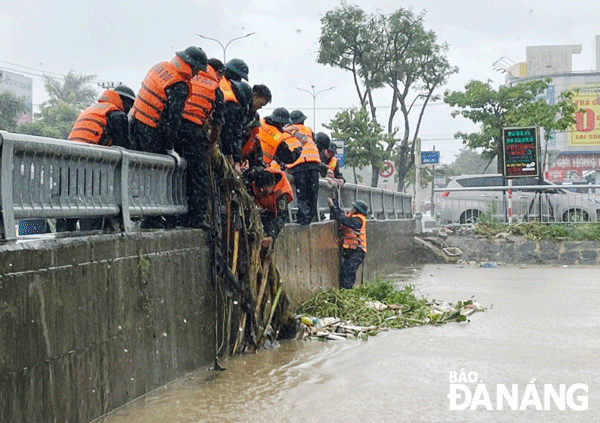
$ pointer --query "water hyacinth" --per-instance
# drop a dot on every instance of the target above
(377, 306)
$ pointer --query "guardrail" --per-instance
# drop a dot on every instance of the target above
(539, 203)
(49, 178)
(46, 178)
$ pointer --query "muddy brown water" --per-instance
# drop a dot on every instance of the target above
(543, 329)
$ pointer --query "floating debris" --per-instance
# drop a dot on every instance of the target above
(371, 308)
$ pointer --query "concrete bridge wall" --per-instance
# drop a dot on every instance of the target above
(88, 324)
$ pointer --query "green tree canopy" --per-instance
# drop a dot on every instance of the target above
(518, 105)
(387, 51)
(67, 99)
(363, 137)
(11, 108)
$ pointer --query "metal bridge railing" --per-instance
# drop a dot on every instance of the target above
(46, 178)
(49, 178)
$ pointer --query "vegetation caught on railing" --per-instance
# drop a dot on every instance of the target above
(369, 308)
(541, 231)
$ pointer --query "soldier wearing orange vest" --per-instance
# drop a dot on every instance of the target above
(272, 191)
(105, 123)
(354, 239)
(200, 131)
(306, 169)
(273, 140)
(156, 114)
(333, 165)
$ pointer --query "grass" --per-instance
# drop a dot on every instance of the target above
(542, 231)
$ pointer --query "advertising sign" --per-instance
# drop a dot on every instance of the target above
(586, 130)
(430, 157)
(572, 166)
(21, 86)
(520, 147)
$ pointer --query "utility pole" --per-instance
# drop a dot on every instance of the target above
(224, 47)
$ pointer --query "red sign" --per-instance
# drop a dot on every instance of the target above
(387, 170)
(572, 166)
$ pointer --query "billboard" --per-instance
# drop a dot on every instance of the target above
(520, 147)
(586, 130)
(572, 166)
(22, 87)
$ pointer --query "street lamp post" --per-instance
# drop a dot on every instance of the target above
(314, 96)
(224, 47)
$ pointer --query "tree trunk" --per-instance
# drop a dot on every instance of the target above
(375, 177)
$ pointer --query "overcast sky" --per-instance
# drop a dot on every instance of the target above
(121, 40)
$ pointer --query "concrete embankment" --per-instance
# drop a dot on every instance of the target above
(90, 323)
(519, 250)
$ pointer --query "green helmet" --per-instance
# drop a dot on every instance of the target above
(243, 92)
(280, 115)
(195, 57)
(361, 207)
(322, 140)
(239, 67)
(297, 116)
(125, 91)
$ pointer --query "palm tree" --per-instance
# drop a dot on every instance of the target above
(68, 97)
(73, 89)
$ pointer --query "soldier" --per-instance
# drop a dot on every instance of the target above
(306, 169)
(354, 239)
(156, 114)
(199, 135)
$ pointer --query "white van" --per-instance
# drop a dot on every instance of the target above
(548, 203)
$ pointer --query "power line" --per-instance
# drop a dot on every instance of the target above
(44, 74)
(27, 67)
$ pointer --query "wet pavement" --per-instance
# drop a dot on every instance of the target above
(538, 343)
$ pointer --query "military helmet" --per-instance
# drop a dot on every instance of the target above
(125, 91)
(280, 115)
(195, 57)
(297, 116)
(243, 92)
(322, 140)
(239, 67)
(361, 207)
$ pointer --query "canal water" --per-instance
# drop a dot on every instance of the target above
(538, 342)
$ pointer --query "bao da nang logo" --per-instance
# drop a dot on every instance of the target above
(468, 392)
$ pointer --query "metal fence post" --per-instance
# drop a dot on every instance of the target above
(6, 188)
(125, 191)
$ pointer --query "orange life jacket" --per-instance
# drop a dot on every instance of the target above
(201, 101)
(152, 97)
(228, 94)
(91, 123)
(270, 137)
(268, 200)
(310, 154)
(332, 163)
(302, 135)
(251, 144)
(301, 132)
(355, 239)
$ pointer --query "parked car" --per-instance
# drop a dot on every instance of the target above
(549, 203)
